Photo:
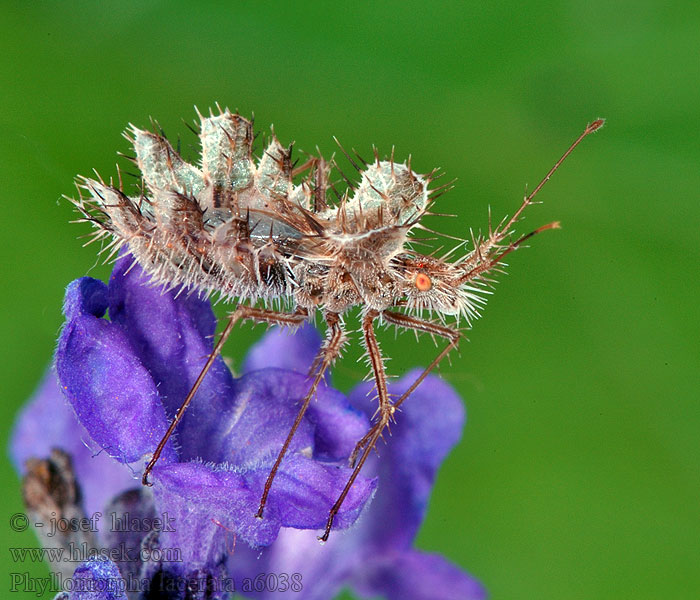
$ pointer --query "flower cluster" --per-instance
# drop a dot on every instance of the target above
(119, 380)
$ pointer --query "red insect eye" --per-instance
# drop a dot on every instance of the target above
(423, 282)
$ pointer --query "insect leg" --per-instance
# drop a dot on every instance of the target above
(386, 411)
(335, 340)
(242, 312)
(416, 324)
(427, 327)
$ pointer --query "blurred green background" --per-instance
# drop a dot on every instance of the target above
(579, 472)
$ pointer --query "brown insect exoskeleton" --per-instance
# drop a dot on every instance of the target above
(247, 232)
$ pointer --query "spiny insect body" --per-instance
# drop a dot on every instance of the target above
(247, 231)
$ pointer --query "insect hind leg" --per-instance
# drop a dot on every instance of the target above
(241, 313)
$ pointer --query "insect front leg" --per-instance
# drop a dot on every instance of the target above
(335, 340)
(259, 315)
(416, 324)
(427, 327)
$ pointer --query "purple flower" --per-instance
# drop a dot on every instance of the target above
(125, 377)
(376, 557)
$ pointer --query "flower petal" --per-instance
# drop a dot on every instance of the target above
(285, 349)
(428, 425)
(304, 491)
(338, 425)
(212, 500)
(312, 571)
(254, 427)
(205, 502)
(112, 393)
(97, 579)
(415, 575)
(47, 422)
(426, 428)
(172, 335)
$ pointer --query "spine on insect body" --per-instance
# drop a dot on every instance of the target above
(220, 226)
(242, 228)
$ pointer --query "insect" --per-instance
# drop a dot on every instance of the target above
(245, 230)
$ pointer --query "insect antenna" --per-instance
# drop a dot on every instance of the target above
(490, 263)
(528, 199)
(482, 258)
